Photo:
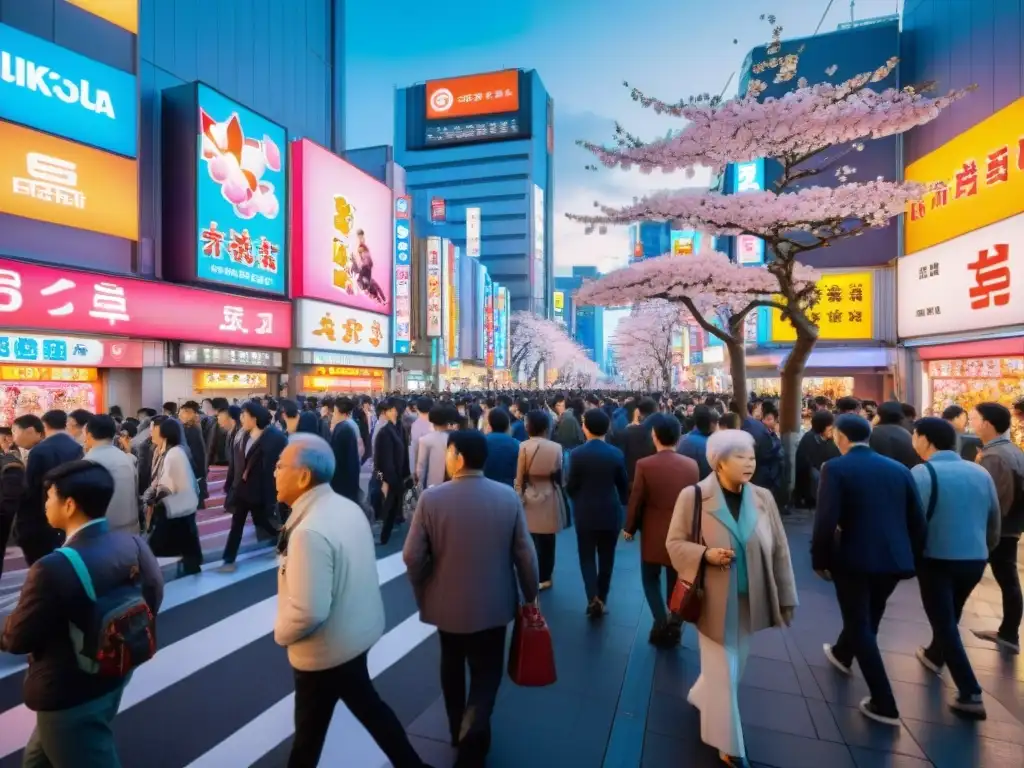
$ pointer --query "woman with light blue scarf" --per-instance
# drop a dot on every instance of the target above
(748, 580)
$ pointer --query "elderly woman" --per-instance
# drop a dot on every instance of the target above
(748, 580)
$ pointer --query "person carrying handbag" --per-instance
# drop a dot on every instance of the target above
(172, 499)
(538, 482)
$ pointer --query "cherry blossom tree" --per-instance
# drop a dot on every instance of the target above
(808, 134)
(642, 343)
(536, 341)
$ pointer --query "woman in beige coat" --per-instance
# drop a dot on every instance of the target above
(748, 580)
(538, 481)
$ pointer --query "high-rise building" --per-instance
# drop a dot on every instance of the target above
(477, 154)
(584, 324)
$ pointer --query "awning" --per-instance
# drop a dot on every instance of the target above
(866, 359)
(986, 348)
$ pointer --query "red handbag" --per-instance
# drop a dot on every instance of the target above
(687, 597)
(531, 659)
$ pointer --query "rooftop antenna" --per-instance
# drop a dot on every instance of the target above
(852, 5)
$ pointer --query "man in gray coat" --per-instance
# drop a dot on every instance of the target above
(123, 510)
(468, 554)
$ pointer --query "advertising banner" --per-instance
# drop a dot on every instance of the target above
(749, 177)
(451, 302)
(341, 224)
(844, 313)
(241, 193)
(489, 286)
(558, 301)
(473, 233)
(57, 91)
(684, 242)
(121, 13)
(447, 257)
(70, 350)
(403, 274)
(60, 182)
(965, 284)
(983, 173)
(487, 129)
(480, 309)
(501, 327)
(195, 354)
(438, 210)
(320, 325)
(483, 94)
(59, 299)
(468, 349)
(434, 317)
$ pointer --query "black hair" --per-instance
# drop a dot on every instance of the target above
(953, 412)
(768, 408)
(730, 420)
(289, 408)
(666, 428)
(891, 413)
(88, 484)
(116, 412)
(6, 431)
(29, 421)
(81, 416)
(471, 445)
(938, 432)
(856, 428)
(101, 428)
(909, 411)
(344, 405)
(55, 419)
(424, 404)
(995, 414)
(130, 428)
(597, 422)
(220, 403)
(1018, 406)
(848, 405)
(170, 430)
(704, 418)
(170, 408)
(537, 423)
(647, 407)
(258, 412)
(498, 420)
(822, 420)
(441, 415)
(149, 413)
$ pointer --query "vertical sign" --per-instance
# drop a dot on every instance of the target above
(538, 224)
(438, 211)
(452, 304)
(446, 299)
(403, 275)
(489, 287)
(749, 177)
(558, 302)
(500, 358)
(473, 233)
(433, 287)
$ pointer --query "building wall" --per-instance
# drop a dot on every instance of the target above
(957, 44)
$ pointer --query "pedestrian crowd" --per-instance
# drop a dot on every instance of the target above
(482, 484)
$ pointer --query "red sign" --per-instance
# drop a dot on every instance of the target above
(52, 299)
(485, 94)
(438, 212)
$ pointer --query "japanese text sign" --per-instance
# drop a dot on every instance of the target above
(241, 190)
(434, 277)
(473, 95)
(438, 210)
(341, 329)
(121, 13)
(983, 173)
(749, 177)
(489, 286)
(35, 373)
(52, 299)
(473, 232)
(844, 312)
(342, 228)
(55, 90)
(230, 380)
(49, 179)
(70, 350)
(403, 275)
(967, 284)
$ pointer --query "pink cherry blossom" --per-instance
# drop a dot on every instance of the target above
(535, 340)
(643, 344)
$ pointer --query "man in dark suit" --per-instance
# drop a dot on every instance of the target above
(635, 440)
(49, 446)
(891, 438)
(869, 532)
(502, 449)
(599, 488)
(391, 468)
(345, 446)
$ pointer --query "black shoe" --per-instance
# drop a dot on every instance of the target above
(969, 707)
(659, 636)
(596, 609)
(869, 709)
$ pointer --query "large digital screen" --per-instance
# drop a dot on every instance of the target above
(475, 130)
(403, 274)
(484, 94)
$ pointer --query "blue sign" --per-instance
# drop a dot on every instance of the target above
(403, 276)
(241, 194)
(696, 357)
(50, 88)
(749, 177)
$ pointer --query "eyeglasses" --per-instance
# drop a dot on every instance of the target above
(280, 466)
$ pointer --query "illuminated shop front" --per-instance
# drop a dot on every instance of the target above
(38, 389)
(231, 372)
(337, 379)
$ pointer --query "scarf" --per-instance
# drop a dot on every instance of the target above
(740, 530)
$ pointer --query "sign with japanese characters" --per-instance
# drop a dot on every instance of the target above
(240, 196)
(122, 13)
(501, 303)
(434, 279)
(484, 94)
(69, 350)
(970, 283)
(983, 173)
(451, 254)
(63, 300)
(229, 357)
(45, 373)
(473, 233)
(438, 210)
(486, 129)
(403, 275)
(230, 380)
(60, 182)
(489, 286)
(342, 225)
(749, 177)
(55, 90)
(845, 311)
(341, 329)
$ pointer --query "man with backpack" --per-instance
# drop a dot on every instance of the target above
(86, 616)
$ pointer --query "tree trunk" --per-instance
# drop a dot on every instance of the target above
(791, 402)
(738, 370)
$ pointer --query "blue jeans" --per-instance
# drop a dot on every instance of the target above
(81, 736)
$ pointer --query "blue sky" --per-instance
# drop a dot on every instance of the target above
(583, 50)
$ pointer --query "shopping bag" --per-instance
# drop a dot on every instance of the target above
(531, 659)
(687, 597)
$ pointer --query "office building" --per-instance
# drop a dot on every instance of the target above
(584, 324)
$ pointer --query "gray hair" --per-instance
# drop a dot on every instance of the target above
(725, 442)
(314, 454)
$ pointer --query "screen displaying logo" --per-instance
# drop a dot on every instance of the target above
(342, 225)
(473, 95)
(49, 179)
(121, 13)
(241, 185)
(50, 88)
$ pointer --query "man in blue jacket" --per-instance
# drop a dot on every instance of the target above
(869, 534)
(599, 488)
(502, 449)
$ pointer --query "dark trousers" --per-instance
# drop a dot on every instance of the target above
(260, 520)
(1003, 560)
(945, 586)
(6, 523)
(174, 537)
(862, 598)
(81, 736)
(597, 559)
(316, 693)
(650, 577)
(390, 507)
(544, 543)
(469, 718)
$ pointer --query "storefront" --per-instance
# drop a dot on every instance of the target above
(343, 379)
(234, 373)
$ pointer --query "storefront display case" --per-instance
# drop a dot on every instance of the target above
(38, 389)
(832, 387)
(969, 381)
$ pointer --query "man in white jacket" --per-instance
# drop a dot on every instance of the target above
(329, 607)
(123, 510)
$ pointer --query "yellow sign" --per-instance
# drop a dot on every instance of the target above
(844, 312)
(123, 13)
(37, 373)
(559, 301)
(983, 169)
(333, 370)
(230, 380)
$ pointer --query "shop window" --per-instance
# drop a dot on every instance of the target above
(969, 381)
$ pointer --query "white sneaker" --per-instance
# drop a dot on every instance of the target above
(926, 662)
(846, 670)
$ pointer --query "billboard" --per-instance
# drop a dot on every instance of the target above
(121, 13)
(845, 311)
(342, 228)
(489, 288)
(60, 299)
(488, 129)
(60, 182)
(58, 349)
(468, 342)
(473, 232)
(501, 304)
(451, 302)
(472, 95)
(483, 281)
(434, 279)
(403, 275)
(57, 91)
(320, 325)
(749, 177)
(983, 170)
